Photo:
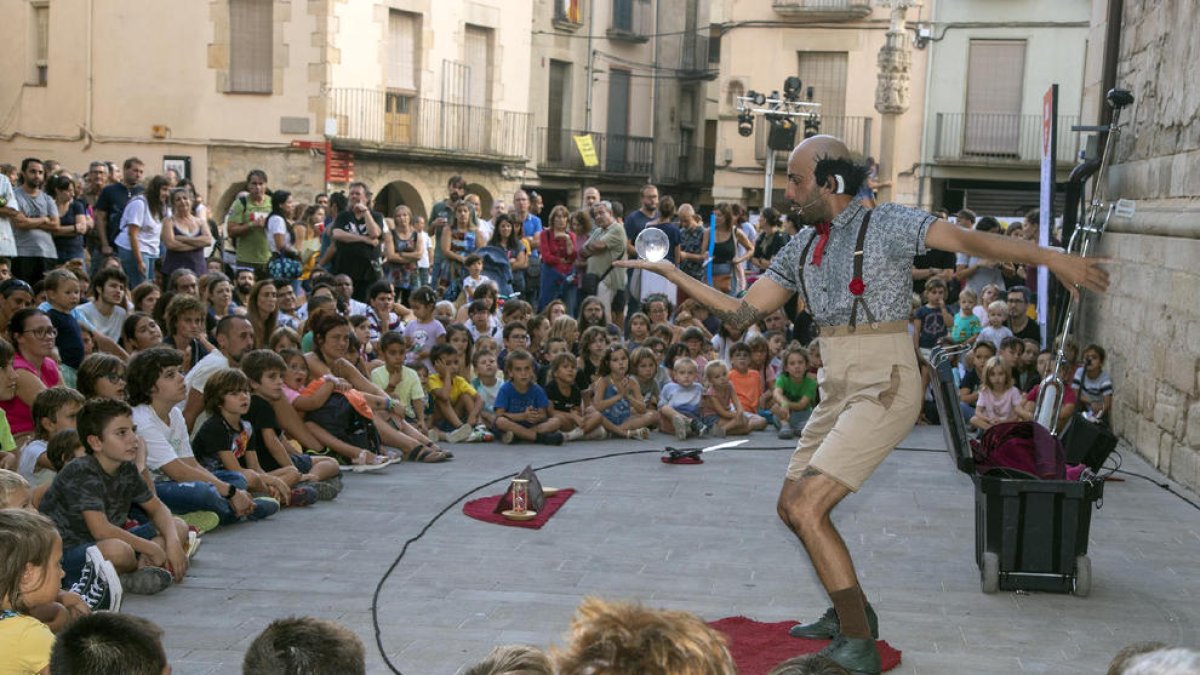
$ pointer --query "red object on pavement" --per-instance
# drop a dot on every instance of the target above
(758, 647)
(483, 508)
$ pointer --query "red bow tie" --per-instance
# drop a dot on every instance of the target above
(819, 251)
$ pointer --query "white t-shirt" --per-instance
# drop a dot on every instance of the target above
(8, 243)
(164, 443)
(423, 245)
(28, 468)
(276, 225)
(485, 232)
(137, 212)
(110, 325)
(198, 376)
(982, 276)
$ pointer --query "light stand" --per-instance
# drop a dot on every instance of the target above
(785, 114)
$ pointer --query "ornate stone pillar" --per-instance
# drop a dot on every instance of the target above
(891, 90)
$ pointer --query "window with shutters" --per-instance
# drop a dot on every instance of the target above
(995, 77)
(826, 74)
(404, 30)
(568, 12)
(251, 46)
(41, 44)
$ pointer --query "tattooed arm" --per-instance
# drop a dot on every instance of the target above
(764, 297)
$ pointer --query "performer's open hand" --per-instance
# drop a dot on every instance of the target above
(661, 267)
(1076, 272)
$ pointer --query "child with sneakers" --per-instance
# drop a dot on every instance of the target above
(720, 408)
(98, 588)
(795, 393)
(1094, 385)
(54, 410)
(399, 381)
(222, 441)
(679, 404)
(203, 498)
(966, 324)
(456, 404)
(522, 407)
(267, 452)
(566, 401)
(487, 383)
(618, 399)
(748, 385)
(110, 643)
(90, 499)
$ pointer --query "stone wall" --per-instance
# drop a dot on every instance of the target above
(1150, 320)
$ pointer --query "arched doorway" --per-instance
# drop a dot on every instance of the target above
(399, 192)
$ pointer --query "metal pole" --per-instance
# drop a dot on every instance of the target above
(591, 29)
(769, 183)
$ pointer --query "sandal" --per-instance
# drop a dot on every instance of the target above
(425, 454)
(432, 446)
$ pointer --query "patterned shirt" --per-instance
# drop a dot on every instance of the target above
(895, 236)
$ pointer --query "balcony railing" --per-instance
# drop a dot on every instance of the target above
(693, 56)
(397, 121)
(632, 20)
(676, 164)
(999, 138)
(855, 132)
(823, 10)
(624, 155)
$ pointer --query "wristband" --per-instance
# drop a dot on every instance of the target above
(232, 492)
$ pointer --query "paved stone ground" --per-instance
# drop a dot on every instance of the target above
(699, 538)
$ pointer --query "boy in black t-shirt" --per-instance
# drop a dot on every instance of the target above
(90, 499)
(566, 399)
(221, 443)
(267, 452)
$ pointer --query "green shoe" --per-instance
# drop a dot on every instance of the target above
(827, 627)
(857, 655)
(205, 521)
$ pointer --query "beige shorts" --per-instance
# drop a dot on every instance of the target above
(870, 398)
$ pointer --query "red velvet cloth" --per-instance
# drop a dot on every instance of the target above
(758, 647)
(482, 509)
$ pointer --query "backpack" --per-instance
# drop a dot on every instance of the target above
(1020, 450)
(340, 418)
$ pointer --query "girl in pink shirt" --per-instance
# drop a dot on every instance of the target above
(998, 398)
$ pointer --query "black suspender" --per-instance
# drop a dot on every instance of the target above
(858, 271)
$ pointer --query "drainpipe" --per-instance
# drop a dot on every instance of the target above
(925, 161)
(90, 82)
(591, 55)
(654, 95)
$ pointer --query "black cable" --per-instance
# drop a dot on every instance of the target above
(1164, 485)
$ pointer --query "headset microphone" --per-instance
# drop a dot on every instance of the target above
(800, 208)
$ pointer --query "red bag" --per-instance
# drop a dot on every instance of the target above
(1020, 450)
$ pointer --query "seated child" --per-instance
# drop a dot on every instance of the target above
(998, 398)
(267, 452)
(222, 441)
(33, 552)
(1028, 409)
(456, 404)
(566, 401)
(749, 387)
(522, 407)
(616, 396)
(1094, 385)
(399, 381)
(514, 660)
(53, 410)
(679, 404)
(305, 645)
(996, 331)
(110, 643)
(474, 278)
(90, 499)
(487, 383)
(720, 410)
(794, 394)
(966, 324)
(644, 365)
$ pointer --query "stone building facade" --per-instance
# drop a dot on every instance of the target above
(1150, 320)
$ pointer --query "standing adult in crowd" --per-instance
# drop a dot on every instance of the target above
(508, 237)
(95, 180)
(559, 251)
(591, 196)
(74, 221)
(9, 212)
(356, 237)
(974, 272)
(771, 239)
(247, 224)
(140, 235)
(402, 252)
(184, 236)
(690, 254)
(605, 246)
(36, 254)
(109, 207)
(724, 257)
(633, 225)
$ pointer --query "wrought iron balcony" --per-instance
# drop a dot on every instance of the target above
(396, 122)
(823, 10)
(676, 164)
(999, 139)
(618, 155)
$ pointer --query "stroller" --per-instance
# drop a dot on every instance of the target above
(497, 268)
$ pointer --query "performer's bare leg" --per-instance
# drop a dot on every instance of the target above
(805, 506)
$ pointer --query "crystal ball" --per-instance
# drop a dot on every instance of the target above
(652, 244)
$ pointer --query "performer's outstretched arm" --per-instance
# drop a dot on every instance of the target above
(764, 297)
(1073, 271)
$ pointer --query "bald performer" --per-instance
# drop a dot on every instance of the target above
(852, 267)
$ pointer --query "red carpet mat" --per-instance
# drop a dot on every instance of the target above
(482, 509)
(758, 647)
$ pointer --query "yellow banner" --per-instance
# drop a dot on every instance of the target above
(587, 150)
